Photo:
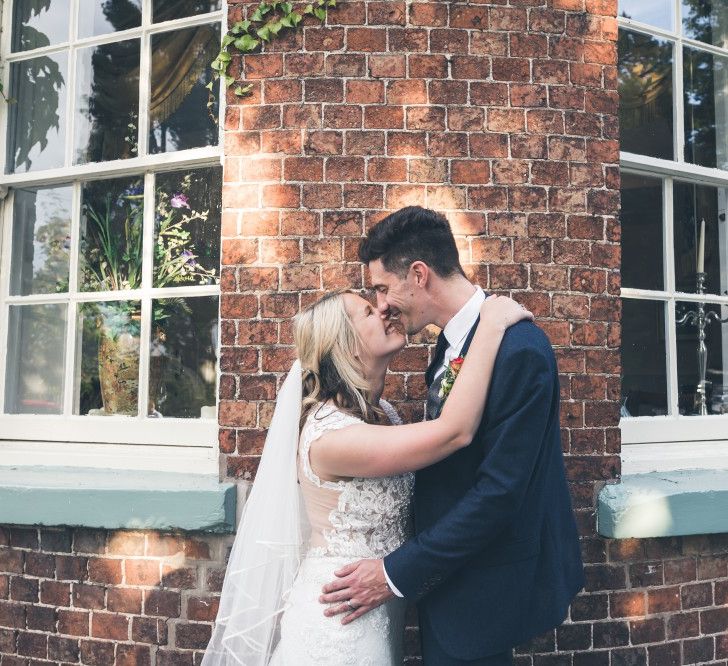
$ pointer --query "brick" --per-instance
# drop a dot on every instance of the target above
(73, 623)
(193, 635)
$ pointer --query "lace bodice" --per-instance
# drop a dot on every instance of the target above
(356, 518)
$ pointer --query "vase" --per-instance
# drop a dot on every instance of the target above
(119, 373)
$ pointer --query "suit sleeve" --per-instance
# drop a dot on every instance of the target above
(523, 396)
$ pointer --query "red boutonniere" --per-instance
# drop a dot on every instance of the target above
(451, 372)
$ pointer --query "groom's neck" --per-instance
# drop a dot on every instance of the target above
(448, 297)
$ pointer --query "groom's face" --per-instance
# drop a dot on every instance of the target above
(396, 297)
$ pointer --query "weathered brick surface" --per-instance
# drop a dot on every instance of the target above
(502, 115)
(121, 619)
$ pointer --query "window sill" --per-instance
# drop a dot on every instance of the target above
(113, 500)
(664, 504)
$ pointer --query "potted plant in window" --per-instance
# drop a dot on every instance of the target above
(113, 255)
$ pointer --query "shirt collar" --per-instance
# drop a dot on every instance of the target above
(457, 329)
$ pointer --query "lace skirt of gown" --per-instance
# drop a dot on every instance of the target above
(309, 638)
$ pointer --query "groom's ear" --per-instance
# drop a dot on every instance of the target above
(421, 273)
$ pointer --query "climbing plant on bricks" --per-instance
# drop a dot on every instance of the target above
(268, 21)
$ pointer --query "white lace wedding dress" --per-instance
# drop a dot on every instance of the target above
(350, 520)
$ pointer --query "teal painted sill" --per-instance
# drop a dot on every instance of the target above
(116, 499)
(660, 504)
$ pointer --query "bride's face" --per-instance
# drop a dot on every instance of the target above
(382, 338)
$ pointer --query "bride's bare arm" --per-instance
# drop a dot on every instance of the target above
(372, 450)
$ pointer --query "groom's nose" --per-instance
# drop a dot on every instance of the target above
(382, 306)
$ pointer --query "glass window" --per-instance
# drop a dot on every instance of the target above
(705, 88)
(107, 102)
(655, 12)
(35, 365)
(37, 119)
(705, 21)
(179, 117)
(641, 220)
(41, 240)
(645, 94)
(37, 24)
(689, 360)
(165, 10)
(644, 372)
(700, 209)
(100, 17)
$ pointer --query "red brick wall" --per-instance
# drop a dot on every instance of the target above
(107, 598)
(500, 114)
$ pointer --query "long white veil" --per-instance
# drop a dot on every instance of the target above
(267, 547)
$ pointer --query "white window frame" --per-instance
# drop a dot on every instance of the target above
(123, 442)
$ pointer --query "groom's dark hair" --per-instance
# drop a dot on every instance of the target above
(412, 234)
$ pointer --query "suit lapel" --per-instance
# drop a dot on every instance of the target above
(437, 357)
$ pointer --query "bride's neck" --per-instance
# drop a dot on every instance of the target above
(376, 375)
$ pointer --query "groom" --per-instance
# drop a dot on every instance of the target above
(496, 559)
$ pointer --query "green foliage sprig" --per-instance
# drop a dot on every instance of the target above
(248, 36)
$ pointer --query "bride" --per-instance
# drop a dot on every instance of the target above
(334, 485)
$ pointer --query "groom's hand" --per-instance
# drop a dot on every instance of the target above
(361, 586)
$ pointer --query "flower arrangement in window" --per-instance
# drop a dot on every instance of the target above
(112, 250)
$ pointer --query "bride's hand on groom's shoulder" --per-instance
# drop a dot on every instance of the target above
(359, 587)
(502, 312)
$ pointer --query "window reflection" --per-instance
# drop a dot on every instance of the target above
(37, 24)
(36, 344)
(108, 372)
(692, 205)
(687, 362)
(187, 227)
(641, 220)
(107, 102)
(644, 373)
(645, 94)
(41, 240)
(112, 212)
(178, 114)
(655, 12)
(183, 357)
(705, 80)
(37, 119)
(166, 10)
(705, 21)
(99, 17)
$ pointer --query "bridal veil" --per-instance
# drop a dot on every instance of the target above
(268, 545)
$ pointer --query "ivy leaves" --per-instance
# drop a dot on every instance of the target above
(267, 21)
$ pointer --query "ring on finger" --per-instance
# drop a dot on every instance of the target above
(351, 606)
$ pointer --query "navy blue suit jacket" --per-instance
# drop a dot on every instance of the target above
(496, 560)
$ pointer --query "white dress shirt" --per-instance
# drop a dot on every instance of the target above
(455, 331)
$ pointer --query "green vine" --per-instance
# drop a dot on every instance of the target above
(248, 36)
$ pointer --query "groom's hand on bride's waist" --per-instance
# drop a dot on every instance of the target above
(359, 587)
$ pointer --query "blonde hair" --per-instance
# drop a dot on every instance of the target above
(328, 347)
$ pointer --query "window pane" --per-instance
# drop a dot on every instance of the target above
(166, 10)
(688, 360)
(107, 102)
(705, 78)
(41, 240)
(187, 227)
(109, 358)
(706, 21)
(36, 356)
(111, 235)
(183, 357)
(693, 204)
(99, 17)
(644, 378)
(178, 114)
(641, 219)
(645, 94)
(37, 24)
(654, 12)
(37, 119)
